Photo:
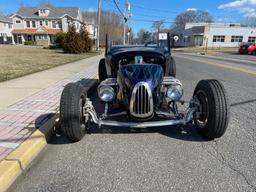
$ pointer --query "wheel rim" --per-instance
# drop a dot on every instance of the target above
(81, 112)
(202, 119)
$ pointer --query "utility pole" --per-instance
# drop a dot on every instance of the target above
(127, 15)
(98, 27)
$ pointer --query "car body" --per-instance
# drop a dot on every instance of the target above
(243, 48)
(139, 89)
(252, 49)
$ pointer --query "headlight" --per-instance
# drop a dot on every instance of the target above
(106, 93)
(174, 92)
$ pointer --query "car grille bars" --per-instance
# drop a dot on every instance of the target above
(141, 104)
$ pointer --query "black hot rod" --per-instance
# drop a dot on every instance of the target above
(139, 88)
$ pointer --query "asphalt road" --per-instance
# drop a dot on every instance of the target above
(160, 159)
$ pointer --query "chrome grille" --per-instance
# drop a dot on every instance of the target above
(141, 104)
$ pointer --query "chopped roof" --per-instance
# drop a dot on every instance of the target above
(55, 12)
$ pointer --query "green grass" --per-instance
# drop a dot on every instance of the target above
(17, 61)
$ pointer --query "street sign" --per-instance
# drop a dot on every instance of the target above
(163, 36)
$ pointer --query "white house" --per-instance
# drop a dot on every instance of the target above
(6, 27)
(217, 34)
(40, 24)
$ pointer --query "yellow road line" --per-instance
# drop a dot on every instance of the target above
(235, 68)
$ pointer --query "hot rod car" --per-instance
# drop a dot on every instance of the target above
(139, 89)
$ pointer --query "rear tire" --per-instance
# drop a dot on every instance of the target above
(213, 120)
(172, 70)
(72, 121)
(102, 72)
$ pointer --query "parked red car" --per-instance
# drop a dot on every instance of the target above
(252, 49)
(243, 49)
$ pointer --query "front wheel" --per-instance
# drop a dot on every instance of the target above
(72, 119)
(212, 120)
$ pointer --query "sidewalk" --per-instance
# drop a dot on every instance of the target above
(28, 102)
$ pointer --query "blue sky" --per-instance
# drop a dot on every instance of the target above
(222, 10)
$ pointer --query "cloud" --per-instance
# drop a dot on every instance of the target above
(246, 7)
(191, 9)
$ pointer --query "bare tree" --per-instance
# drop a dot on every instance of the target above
(195, 16)
(111, 23)
(249, 21)
(158, 26)
(143, 36)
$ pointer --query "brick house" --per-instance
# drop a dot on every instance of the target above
(40, 24)
(6, 27)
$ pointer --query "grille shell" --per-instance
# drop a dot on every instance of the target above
(141, 104)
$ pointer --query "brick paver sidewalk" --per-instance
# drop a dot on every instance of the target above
(18, 121)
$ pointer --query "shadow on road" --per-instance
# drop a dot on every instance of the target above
(185, 133)
(242, 102)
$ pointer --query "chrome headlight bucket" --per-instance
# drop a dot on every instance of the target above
(174, 92)
(106, 93)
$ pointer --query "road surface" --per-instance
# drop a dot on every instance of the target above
(161, 159)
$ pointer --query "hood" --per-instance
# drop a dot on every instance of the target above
(130, 75)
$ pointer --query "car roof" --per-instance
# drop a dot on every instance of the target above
(118, 49)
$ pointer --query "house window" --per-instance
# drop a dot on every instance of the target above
(10, 26)
(42, 37)
(237, 39)
(41, 23)
(251, 39)
(53, 24)
(28, 24)
(18, 21)
(218, 38)
(46, 23)
(33, 24)
(60, 24)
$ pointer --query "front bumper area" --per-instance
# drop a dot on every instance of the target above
(185, 119)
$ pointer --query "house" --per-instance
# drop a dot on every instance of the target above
(6, 27)
(40, 24)
(217, 34)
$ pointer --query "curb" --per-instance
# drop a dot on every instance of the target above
(19, 160)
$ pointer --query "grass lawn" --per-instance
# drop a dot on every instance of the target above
(17, 61)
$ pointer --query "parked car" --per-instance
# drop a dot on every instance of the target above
(139, 89)
(243, 48)
(252, 49)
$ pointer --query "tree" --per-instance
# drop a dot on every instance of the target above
(110, 23)
(143, 36)
(195, 16)
(59, 38)
(72, 42)
(158, 26)
(249, 21)
(84, 35)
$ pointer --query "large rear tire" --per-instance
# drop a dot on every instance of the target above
(102, 72)
(213, 119)
(72, 120)
(172, 70)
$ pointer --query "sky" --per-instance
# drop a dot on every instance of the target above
(145, 11)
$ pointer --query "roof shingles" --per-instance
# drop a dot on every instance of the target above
(55, 12)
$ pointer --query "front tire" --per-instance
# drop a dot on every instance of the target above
(72, 121)
(212, 121)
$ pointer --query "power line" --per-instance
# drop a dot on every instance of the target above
(125, 19)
